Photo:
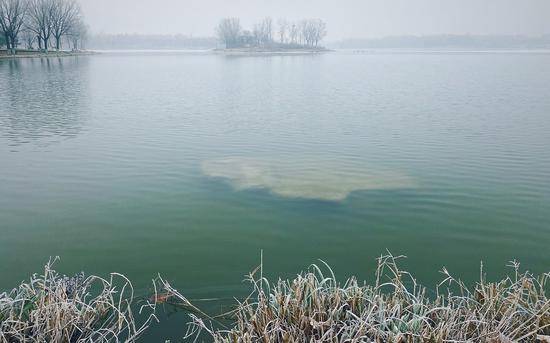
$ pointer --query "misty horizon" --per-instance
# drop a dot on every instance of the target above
(348, 19)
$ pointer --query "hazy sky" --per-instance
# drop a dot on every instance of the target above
(345, 18)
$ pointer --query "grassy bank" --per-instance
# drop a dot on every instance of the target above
(312, 307)
(35, 53)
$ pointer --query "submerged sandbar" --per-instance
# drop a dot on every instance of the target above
(320, 179)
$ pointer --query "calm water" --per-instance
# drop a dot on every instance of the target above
(188, 164)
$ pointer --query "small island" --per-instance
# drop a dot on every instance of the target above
(302, 36)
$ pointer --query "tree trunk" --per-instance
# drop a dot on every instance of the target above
(57, 43)
(39, 43)
(13, 44)
(7, 42)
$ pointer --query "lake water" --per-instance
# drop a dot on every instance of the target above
(189, 164)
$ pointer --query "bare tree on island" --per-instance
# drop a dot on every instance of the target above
(283, 28)
(266, 29)
(77, 34)
(263, 32)
(12, 15)
(40, 20)
(293, 32)
(28, 37)
(229, 32)
(65, 15)
(305, 34)
(313, 31)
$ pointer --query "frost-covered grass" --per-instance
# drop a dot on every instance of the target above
(56, 308)
(312, 307)
(315, 307)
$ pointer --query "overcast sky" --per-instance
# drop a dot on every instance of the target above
(345, 18)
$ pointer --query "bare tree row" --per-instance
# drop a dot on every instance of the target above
(45, 22)
(303, 33)
(308, 32)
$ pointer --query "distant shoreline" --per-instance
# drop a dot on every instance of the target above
(41, 54)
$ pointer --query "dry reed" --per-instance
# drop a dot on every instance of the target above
(56, 308)
(314, 307)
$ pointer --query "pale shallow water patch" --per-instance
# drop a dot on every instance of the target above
(305, 178)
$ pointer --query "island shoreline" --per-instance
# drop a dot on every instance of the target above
(269, 51)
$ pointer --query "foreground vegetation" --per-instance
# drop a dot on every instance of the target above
(56, 308)
(312, 307)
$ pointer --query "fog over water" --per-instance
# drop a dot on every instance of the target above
(345, 18)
